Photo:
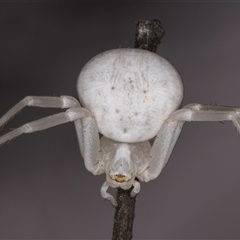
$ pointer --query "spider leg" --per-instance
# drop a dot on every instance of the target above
(85, 125)
(136, 188)
(161, 149)
(170, 131)
(36, 101)
(215, 113)
(107, 195)
(70, 115)
(89, 144)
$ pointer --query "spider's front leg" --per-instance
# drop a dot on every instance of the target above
(170, 131)
(89, 144)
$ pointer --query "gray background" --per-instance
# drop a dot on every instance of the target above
(45, 190)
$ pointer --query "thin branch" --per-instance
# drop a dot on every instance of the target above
(147, 36)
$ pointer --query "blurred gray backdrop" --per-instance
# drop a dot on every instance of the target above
(45, 190)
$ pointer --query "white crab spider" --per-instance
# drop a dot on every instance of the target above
(129, 96)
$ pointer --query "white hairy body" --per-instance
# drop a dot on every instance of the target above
(129, 96)
(130, 92)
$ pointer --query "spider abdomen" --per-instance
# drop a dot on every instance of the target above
(130, 92)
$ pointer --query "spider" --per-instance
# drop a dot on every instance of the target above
(128, 97)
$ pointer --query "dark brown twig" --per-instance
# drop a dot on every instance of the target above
(148, 36)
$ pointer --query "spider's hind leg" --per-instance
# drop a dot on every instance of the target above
(70, 115)
(42, 101)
